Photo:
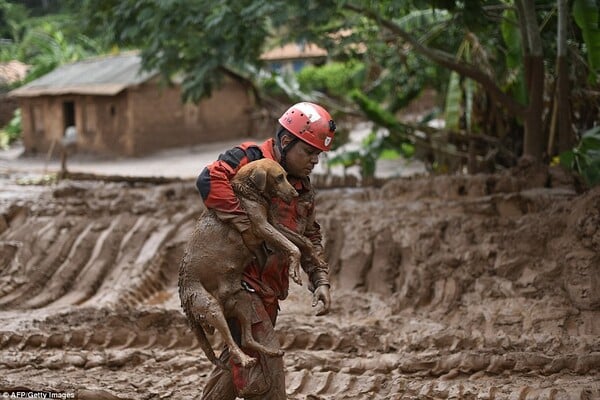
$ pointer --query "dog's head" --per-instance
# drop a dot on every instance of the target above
(269, 177)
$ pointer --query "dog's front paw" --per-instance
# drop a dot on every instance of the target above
(245, 360)
(295, 271)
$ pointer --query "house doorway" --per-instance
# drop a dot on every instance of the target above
(69, 139)
(68, 114)
(70, 131)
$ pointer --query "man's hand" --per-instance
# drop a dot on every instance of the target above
(321, 295)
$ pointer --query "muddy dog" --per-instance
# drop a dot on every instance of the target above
(215, 257)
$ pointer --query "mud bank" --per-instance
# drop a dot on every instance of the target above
(483, 287)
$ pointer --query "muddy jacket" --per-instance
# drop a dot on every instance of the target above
(271, 282)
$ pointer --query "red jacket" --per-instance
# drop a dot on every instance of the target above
(271, 282)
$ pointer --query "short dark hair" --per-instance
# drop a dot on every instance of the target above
(281, 132)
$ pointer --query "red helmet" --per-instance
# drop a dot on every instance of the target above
(310, 123)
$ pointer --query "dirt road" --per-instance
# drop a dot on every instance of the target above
(483, 287)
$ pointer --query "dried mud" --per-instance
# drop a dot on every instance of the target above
(482, 287)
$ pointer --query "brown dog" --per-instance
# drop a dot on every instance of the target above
(215, 257)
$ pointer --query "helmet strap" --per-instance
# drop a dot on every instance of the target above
(283, 150)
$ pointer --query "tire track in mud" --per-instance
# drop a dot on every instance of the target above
(90, 273)
(140, 273)
(437, 294)
(326, 364)
(82, 253)
(57, 239)
(72, 259)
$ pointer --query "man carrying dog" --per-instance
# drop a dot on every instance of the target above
(305, 130)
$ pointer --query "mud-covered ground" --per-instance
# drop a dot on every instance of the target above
(483, 287)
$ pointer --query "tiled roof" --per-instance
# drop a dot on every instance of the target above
(107, 75)
(292, 51)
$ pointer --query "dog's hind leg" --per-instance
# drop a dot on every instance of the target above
(242, 313)
(241, 307)
(189, 303)
(205, 307)
(205, 344)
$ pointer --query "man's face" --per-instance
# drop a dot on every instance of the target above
(301, 159)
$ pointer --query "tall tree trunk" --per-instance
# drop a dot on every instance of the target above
(534, 140)
(563, 128)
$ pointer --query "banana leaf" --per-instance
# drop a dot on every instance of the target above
(469, 93)
(514, 56)
(585, 158)
(453, 102)
(587, 17)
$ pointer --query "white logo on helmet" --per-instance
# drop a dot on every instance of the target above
(309, 111)
(327, 140)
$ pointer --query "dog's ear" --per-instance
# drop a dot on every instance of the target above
(259, 177)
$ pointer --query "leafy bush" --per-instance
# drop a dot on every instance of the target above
(334, 79)
(12, 131)
(270, 86)
(585, 157)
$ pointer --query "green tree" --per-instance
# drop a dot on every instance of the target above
(200, 37)
(44, 41)
(13, 21)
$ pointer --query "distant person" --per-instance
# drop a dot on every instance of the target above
(68, 142)
(305, 130)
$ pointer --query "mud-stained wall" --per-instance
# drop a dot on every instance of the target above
(161, 120)
(104, 124)
(33, 137)
(101, 123)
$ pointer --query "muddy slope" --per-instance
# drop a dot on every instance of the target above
(485, 287)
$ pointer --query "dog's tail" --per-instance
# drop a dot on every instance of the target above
(198, 329)
(187, 299)
(205, 344)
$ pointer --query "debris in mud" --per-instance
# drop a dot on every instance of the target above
(445, 287)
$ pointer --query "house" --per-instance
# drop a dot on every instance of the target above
(292, 57)
(117, 109)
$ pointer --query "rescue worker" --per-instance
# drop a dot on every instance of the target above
(305, 130)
